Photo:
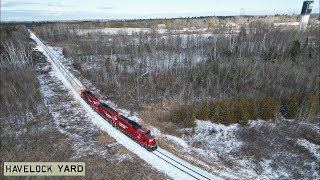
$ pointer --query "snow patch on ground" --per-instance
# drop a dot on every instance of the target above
(209, 141)
(113, 31)
(313, 148)
(177, 140)
(219, 137)
(155, 131)
(212, 142)
(214, 138)
(123, 157)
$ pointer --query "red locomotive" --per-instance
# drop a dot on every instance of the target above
(91, 99)
(137, 132)
(132, 129)
(107, 113)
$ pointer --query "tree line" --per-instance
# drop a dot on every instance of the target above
(259, 66)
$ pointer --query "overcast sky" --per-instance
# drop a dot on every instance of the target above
(35, 10)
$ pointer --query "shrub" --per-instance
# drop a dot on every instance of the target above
(309, 107)
(245, 109)
(230, 111)
(295, 50)
(313, 104)
(190, 121)
(202, 111)
(65, 52)
(217, 112)
(266, 108)
(184, 115)
(76, 65)
(289, 106)
(233, 111)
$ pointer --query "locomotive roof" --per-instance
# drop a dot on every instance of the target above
(133, 123)
(107, 107)
(104, 105)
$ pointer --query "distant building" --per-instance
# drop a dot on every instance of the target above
(287, 24)
(162, 26)
(185, 29)
(231, 24)
(232, 27)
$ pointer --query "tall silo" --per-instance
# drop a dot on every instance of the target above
(305, 14)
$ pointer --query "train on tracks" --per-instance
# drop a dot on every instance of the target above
(130, 128)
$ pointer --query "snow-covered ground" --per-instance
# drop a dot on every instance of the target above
(112, 31)
(313, 148)
(130, 31)
(208, 142)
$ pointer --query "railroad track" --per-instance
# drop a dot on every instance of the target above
(56, 60)
(182, 165)
(179, 169)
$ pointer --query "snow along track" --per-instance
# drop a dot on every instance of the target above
(182, 165)
(160, 159)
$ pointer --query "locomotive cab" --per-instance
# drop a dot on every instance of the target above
(146, 139)
(90, 98)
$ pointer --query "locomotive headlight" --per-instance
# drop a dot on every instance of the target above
(115, 118)
(150, 140)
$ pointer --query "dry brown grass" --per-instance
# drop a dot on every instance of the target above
(104, 138)
(159, 115)
(98, 168)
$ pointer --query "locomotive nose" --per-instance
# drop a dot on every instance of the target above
(152, 141)
(152, 145)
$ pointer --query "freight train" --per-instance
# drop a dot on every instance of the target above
(130, 128)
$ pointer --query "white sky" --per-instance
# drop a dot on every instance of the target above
(34, 10)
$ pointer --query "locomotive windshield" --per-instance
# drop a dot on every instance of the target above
(88, 92)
